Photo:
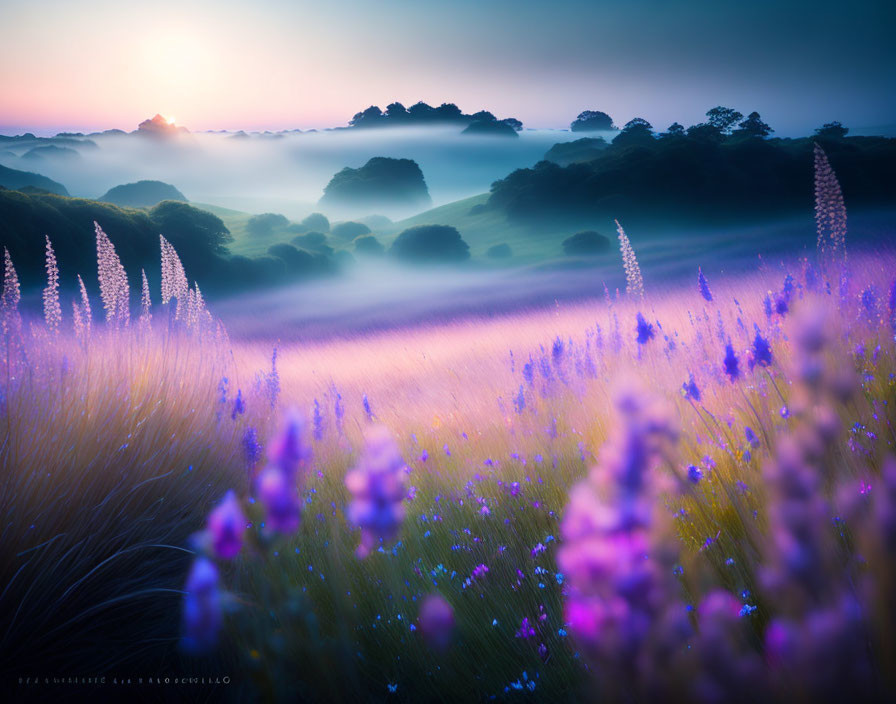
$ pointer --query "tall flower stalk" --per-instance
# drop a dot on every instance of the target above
(830, 211)
(634, 283)
(52, 310)
(114, 289)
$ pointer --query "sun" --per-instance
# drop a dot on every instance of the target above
(170, 120)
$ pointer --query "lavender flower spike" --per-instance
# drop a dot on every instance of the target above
(437, 622)
(634, 282)
(202, 608)
(227, 523)
(52, 309)
(730, 363)
(377, 488)
(703, 285)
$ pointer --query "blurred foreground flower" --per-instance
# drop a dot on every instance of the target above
(227, 523)
(202, 608)
(377, 488)
(437, 622)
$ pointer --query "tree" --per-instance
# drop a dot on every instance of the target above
(190, 229)
(674, 130)
(832, 130)
(262, 225)
(514, 123)
(592, 121)
(371, 117)
(315, 222)
(705, 132)
(430, 243)
(753, 126)
(483, 116)
(723, 119)
(368, 245)
(636, 131)
(587, 242)
(396, 112)
(448, 112)
(420, 112)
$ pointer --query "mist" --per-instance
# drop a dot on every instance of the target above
(287, 172)
(380, 295)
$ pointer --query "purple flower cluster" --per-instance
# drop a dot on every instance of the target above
(617, 605)
(377, 485)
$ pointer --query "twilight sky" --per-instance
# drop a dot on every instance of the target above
(272, 64)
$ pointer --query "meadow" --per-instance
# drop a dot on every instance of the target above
(664, 493)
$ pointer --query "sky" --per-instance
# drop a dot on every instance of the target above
(277, 64)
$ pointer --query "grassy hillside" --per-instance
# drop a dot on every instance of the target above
(482, 229)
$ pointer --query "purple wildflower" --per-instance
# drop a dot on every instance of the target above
(251, 448)
(703, 285)
(226, 524)
(239, 406)
(290, 450)
(201, 608)
(644, 330)
(730, 363)
(762, 351)
(281, 500)
(751, 437)
(689, 389)
(377, 488)
(525, 630)
(694, 474)
(437, 622)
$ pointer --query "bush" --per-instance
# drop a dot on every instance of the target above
(142, 194)
(348, 231)
(315, 222)
(264, 224)
(380, 180)
(296, 259)
(368, 245)
(587, 242)
(499, 251)
(430, 243)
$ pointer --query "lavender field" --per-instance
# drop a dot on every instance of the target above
(666, 493)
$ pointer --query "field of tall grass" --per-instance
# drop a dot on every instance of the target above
(679, 494)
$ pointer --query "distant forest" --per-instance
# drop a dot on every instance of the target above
(397, 115)
(727, 168)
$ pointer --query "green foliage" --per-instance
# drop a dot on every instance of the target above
(264, 224)
(431, 244)
(349, 230)
(380, 180)
(587, 242)
(700, 174)
(368, 245)
(499, 251)
(12, 178)
(315, 222)
(592, 121)
(142, 194)
(579, 150)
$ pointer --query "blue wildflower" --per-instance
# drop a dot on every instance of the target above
(689, 389)
(703, 285)
(762, 351)
(644, 330)
(730, 363)
(751, 437)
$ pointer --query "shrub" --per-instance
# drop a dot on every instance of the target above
(587, 242)
(430, 243)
